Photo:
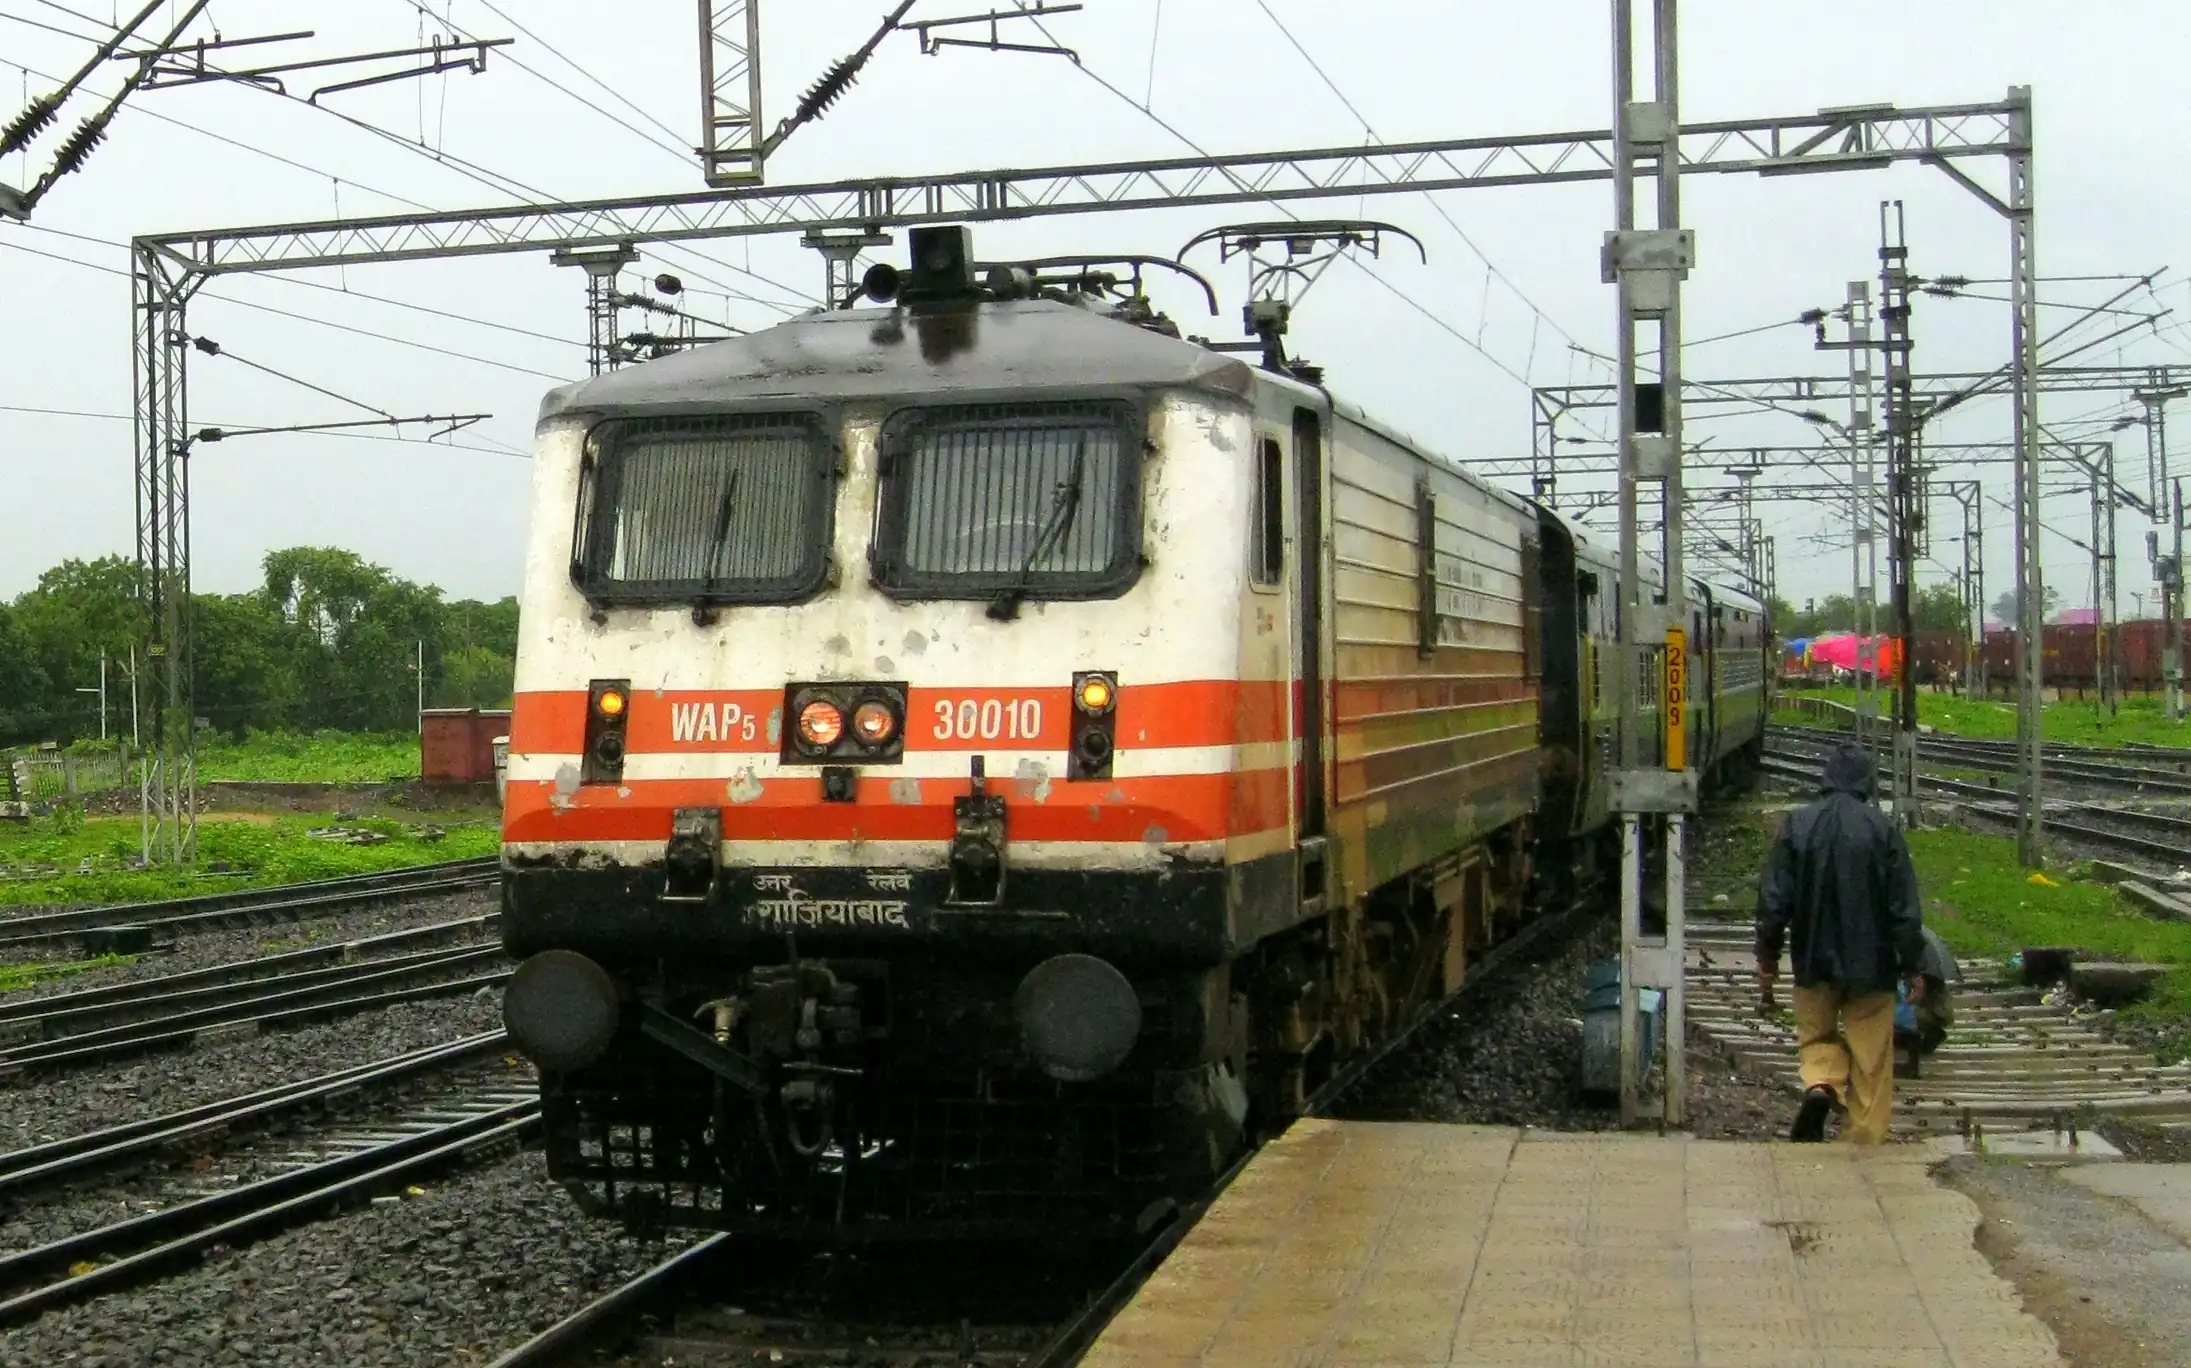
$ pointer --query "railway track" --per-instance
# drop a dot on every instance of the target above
(340, 1167)
(120, 1020)
(2075, 764)
(79, 1156)
(2155, 837)
(717, 1336)
(2011, 1060)
(127, 923)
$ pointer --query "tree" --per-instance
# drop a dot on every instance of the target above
(246, 665)
(2004, 607)
(24, 688)
(478, 651)
(1939, 609)
(474, 677)
(356, 631)
(79, 609)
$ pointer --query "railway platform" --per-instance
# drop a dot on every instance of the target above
(1403, 1245)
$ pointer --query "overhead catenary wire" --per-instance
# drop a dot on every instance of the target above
(482, 175)
(1287, 210)
(1491, 268)
(496, 450)
(305, 318)
(681, 154)
(347, 293)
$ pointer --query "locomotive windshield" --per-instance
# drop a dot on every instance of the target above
(729, 508)
(1022, 500)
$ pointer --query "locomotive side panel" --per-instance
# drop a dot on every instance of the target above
(1435, 674)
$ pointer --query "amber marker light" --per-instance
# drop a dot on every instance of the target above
(874, 724)
(820, 724)
(1095, 695)
(611, 703)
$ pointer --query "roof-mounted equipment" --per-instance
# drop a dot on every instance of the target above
(1277, 283)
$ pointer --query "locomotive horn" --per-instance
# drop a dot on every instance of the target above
(1078, 1016)
(560, 1010)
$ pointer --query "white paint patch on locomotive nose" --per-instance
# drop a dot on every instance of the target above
(1155, 836)
(915, 643)
(746, 786)
(1032, 778)
(885, 665)
(839, 644)
(776, 725)
(905, 791)
(566, 787)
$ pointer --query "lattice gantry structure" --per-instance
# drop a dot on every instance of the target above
(171, 267)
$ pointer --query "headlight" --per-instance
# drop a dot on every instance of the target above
(611, 703)
(820, 724)
(873, 723)
(1095, 695)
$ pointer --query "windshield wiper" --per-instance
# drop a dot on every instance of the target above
(1064, 508)
(703, 612)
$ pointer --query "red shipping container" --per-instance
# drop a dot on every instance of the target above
(456, 745)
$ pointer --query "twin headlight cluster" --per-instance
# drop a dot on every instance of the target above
(844, 723)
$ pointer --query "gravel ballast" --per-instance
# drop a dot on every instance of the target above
(472, 1267)
(46, 1107)
(220, 1163)
(1512, 1056)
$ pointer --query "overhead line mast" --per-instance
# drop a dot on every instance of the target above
(1647, 266)
(171, 267)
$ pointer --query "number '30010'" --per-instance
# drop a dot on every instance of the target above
(992, 719)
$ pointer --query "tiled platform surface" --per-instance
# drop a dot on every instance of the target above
(1370, 1245)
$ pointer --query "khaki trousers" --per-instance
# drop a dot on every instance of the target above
(1846, 1042)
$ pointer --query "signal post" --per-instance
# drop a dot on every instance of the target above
(1654, 787)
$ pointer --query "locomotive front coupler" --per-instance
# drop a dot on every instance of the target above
(693, 858)
(976, 858)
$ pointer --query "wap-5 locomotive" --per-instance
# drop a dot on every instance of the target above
(979, 758)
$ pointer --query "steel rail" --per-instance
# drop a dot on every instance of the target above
(1958, 753)
(185, 1028)
(2177, 757)
(128, 1251)
(79, 1154)
(576, 1331)
(1986, 803)
(72, 1022)
(239, 972)
(285, 902)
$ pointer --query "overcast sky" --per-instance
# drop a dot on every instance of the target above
(1222, 73)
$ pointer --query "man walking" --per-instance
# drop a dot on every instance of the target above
(1840, 878)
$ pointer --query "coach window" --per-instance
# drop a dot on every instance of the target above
(1267, 564)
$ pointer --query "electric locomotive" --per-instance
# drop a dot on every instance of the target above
(977, 757)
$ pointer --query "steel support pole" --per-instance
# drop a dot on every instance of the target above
(1903, 511)
(167, 783)
(1863, 506)
(1647, 267)
(2024, 384)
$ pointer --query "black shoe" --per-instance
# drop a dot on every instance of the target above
(1810, 1121)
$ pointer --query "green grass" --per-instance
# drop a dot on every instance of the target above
(1981, 902)
(14, 976)
(245, 853)
(325, 757)
(1985, 906)
(2140, 719)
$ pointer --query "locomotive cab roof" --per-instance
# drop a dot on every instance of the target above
(957, 351)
